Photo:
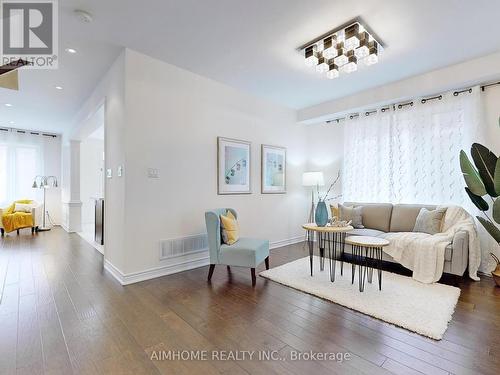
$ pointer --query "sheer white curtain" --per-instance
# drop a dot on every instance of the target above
(411, 155)
(21, 159)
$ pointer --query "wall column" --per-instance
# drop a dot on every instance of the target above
(72, 205)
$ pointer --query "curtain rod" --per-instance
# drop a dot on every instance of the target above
(438, 97)
(337, 120)
(32, 132)
(489, 85)
(410, 103)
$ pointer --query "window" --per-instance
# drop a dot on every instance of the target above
(3, 173)
(20, 161)
(410, 155)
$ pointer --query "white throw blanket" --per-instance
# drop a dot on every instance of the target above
(424, 253)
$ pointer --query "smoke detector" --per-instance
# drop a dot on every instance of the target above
(83, 16)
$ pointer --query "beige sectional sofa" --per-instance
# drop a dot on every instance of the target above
(379, 218)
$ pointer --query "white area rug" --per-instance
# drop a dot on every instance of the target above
(423, 308)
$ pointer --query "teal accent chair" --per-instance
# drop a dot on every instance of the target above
(246, 252)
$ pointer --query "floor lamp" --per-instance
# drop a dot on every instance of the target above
(312, 180)
(44, 182)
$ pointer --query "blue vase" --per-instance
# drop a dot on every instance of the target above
(321, 216)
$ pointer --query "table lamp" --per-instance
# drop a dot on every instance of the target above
(312, 179)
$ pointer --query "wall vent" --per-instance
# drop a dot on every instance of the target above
(177, 247)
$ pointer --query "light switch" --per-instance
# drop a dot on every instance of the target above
(119, 171)
(153, 173)
(109, 173)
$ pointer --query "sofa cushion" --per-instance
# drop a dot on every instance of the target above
(23, 207)
(365, 232)
(429, 221)
(404, 216)
(352, 214)
(230, 228)
(375, 215)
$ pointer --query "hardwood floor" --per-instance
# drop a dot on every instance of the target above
(61, 313)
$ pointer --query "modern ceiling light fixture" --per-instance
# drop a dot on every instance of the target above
(310, 55)
(322, 65)
(333, 71)
(341, 50)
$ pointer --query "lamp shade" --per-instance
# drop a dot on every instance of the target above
(313, 179)
(44, 182)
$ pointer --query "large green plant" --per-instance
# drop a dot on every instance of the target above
(483, 180)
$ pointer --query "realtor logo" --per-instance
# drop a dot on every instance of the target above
(29, 32)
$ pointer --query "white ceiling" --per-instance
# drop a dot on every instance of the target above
(250, 45)
(97, 134)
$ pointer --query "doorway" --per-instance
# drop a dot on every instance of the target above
(92, 162)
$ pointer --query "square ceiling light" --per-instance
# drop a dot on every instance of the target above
(341, 50)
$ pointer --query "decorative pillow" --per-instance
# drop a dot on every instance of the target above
(23, 207)
(230, 228)
(354, 214)
(335, 211)
(429, 221)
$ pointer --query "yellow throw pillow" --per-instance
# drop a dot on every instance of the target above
(335, 211)
(230, 228)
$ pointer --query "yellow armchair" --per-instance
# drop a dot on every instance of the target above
(13, 221)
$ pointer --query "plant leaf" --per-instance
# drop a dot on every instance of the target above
(490, 227)
(471, 175)
(485, 162)
(497, 177)
(496, 210)
(478, 201)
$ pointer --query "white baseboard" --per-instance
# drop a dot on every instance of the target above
(288, 241)
(153, 273)
(135, 277)
(115, 272)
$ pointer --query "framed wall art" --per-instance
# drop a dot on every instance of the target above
(273, 170)
(233, 166)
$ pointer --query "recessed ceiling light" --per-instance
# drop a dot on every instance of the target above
(58, 87)
(70, 50)
(8, 105)
(83, 16)
(11, 122)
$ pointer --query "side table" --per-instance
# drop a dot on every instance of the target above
(331, 237)
(371, 249)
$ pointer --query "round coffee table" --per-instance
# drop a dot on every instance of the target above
(334, 238)
(365, 250)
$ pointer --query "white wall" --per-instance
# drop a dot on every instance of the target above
(110, 93)
(173, 120)
(491, 101)
(92, 176)
(160, 116)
